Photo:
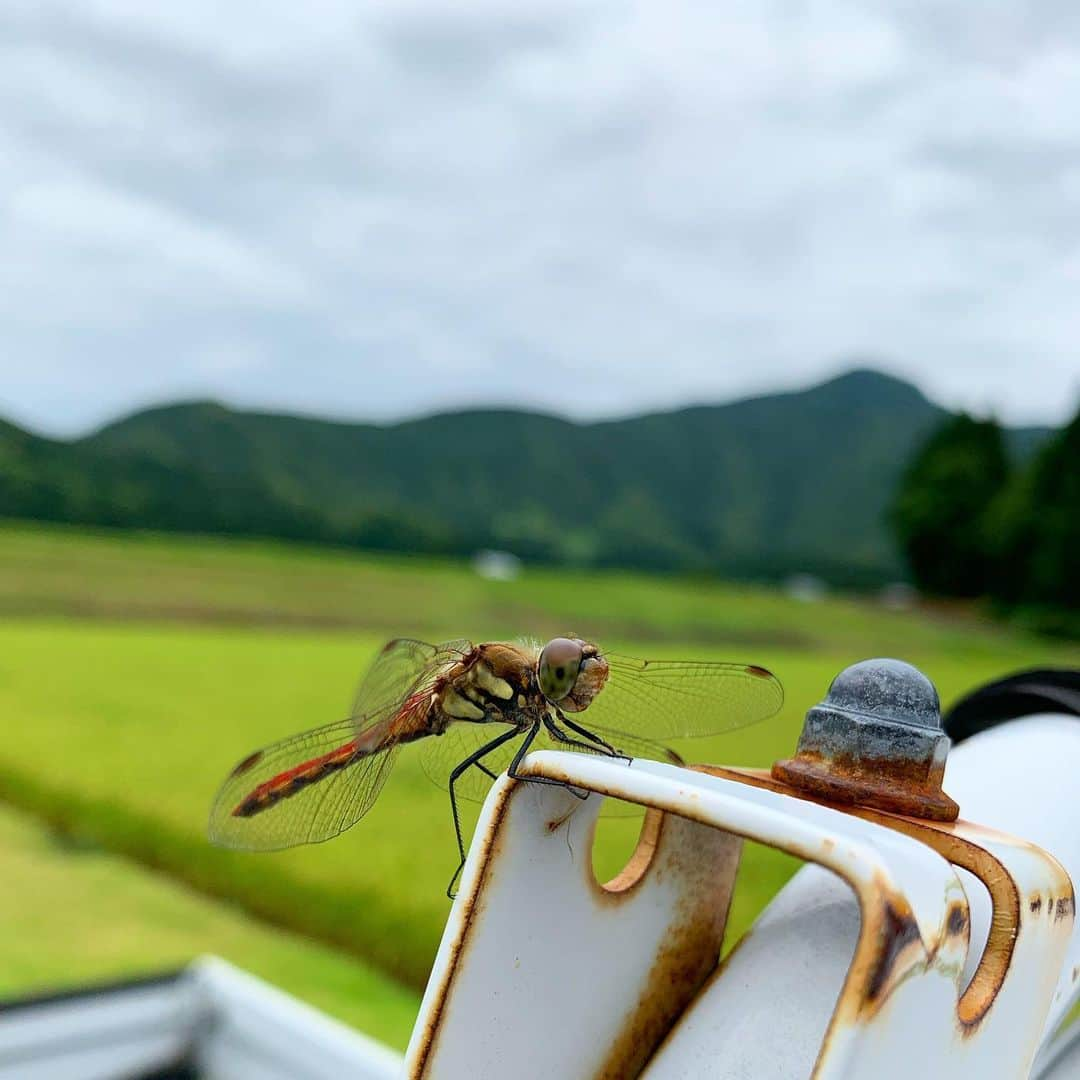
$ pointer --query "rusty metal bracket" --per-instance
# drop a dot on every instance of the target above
(544, 973)
(913, 942)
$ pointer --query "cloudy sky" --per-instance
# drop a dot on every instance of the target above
(374, 210)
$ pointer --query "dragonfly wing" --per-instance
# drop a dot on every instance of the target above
(301, 790)
(440, 754)
(403, 667)
(679, 699)
(627, 744)
(312, 786)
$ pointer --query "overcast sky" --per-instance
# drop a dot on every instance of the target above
(376, 210)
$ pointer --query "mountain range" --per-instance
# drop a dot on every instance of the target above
(758, 487)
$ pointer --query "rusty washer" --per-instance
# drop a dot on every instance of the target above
(876, 740)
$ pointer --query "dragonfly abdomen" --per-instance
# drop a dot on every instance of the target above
(296, 779)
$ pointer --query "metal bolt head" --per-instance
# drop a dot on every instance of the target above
(887, 690)
(875, 740)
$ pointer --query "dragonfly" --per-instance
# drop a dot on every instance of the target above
(475, 711)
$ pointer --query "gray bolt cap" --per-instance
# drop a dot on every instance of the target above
(886, 690)
(876, 740)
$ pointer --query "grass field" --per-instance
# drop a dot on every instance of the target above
(132, 577)
(135, 671)
(75, 915)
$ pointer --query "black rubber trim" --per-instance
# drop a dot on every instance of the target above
(184, 1069)
(1039, 690)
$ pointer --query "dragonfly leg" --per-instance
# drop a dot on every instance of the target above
(468, 763)
(522, 750)
(560, 736)
(606, 746)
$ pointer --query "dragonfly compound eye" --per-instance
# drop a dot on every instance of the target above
(558, 667)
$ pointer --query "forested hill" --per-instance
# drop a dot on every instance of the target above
(761, 486)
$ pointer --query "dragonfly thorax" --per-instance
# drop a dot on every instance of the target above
(495, 682)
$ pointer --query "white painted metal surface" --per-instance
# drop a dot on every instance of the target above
(861, 967)
(778, 990)
(1023, 777)
(547, 928)
(257, 1030)
(223, 1022)
(124, 1032)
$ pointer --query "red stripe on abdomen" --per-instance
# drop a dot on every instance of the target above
(296, 779)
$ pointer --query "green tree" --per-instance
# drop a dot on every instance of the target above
(1036, 527)
(939, 513)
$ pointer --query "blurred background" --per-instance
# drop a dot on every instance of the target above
(747, 332)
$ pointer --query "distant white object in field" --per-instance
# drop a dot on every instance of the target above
(898, 596)
(496, 565)
(805, 587)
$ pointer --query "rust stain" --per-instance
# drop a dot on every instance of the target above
(472, 908)
(901, 787)
(956, 923)
(993, 966)
(710, 980)
(557, 823)
(897, 934)
(706, 861)
(945, 838)
(682, 964)
(632, 874)
(889, 949)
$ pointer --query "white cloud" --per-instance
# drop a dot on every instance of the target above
(593, 207)
(112, 226)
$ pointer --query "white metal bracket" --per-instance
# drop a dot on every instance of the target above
(543, 972)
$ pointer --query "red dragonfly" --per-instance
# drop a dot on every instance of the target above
(477, 710)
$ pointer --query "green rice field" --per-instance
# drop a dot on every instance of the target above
(76, 915)
(134, 672)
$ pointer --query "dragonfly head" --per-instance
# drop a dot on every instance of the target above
(571, 672)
